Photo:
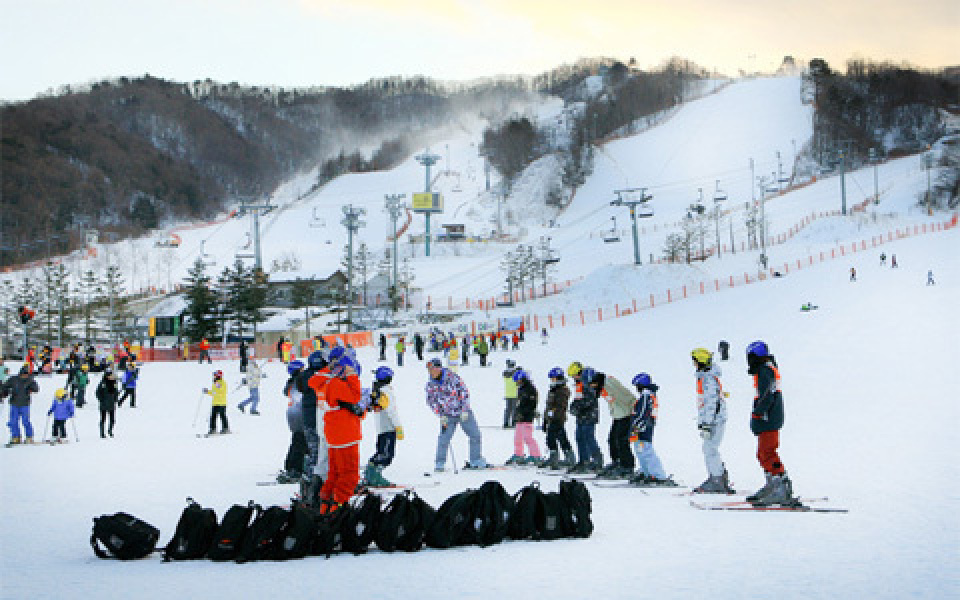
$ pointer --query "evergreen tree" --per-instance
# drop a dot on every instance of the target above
(201, 304)
(302, 297)
(113, 289)
(90, 288)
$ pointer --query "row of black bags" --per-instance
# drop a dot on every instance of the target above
(483, 516)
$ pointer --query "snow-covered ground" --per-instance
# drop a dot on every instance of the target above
(867, 379)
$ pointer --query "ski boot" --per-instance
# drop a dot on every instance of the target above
(658, 482)
(533, 460)
(763, 491)
(712, 485)
(515, 460)
(373, 476)
(781, 493)
(580, 468)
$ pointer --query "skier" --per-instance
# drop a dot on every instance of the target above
(293, 463)
(509, 393)
(482, 349)
(311, 383)
(449, 399)
(711, 421)
(853, 274)
(252, 381)
(79, 385)
(61, 409)
(205, 351)
(554, 421)
(766, 419)
(389, 430)
(930, 280)
(893, 261)
(130, 375)
(107, 394)
(383, 346)
(218, 395)
(883, 259)
(620, 402)
(543, 336)
(401, 347)
(586, 407)
(453, 355)
(724, 348)
(418, 345)
(19, 389)
(343, 430)
(524, 415)
(650, 471)
(516, 341)
(244, 358)
(465, 351)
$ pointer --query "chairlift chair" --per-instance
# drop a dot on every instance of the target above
(612, 235)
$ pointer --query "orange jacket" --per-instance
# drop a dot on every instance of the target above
(341, 427)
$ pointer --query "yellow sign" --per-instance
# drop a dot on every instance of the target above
(427, 202)
(152, 327)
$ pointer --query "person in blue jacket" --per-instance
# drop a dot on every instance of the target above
(130, 384)
(61, 409)
(650, 471)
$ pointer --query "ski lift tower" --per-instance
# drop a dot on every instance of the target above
(427, 160)
(256, 210)
(636, 199)
(351, 220)
(394, 207)
(719, 196)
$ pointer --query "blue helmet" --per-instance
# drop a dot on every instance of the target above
(383, 373)
(316, 360)
(587, 375)
(346, 361)
(294, 367)
(641, 379)
(758, 348)
(519, 374)
(335, 354)
(556, 373)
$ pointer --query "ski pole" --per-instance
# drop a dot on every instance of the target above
(453, 458)
(196, 414)
(76, 438)
(45, 425)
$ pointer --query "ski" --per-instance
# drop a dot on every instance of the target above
(610, 483)
(400, 487)
(209, 435)
(802, 500)
(569, 475)
(773, 507)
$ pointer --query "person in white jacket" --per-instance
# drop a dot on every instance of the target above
(711, 422)
(252, 381)
(383, 401)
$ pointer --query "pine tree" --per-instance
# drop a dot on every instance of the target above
(302, 297)
(113, 288)
(201, 304)
(89, 286)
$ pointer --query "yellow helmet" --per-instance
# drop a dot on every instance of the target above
(574, 369)
(60, 393)
(85, 367)
(702, 356)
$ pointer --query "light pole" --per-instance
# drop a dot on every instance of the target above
(394, 209)
(351, 220)
(874, 158)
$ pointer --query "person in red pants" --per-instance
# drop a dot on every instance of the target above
(766, 419)
(342, 428)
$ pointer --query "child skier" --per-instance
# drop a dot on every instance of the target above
(509, 394)
(554, 422)
(620, 402)
(107, 394)
(218, 394)
(61, 409)
(711, 421)
(453, 355)
(252, 381)
(130, 375)
(293, 463)
(766, 419)
(524, 415)
(79, 382)
(389, 430)
(650, 471)
(343, 429)
(586, 407)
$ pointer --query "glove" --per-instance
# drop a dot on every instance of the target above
(205, 391)
(706, 431)
(443, 421)
(464, 416)
(399, 430)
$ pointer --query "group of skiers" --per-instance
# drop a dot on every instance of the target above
(456, 349)
(634, 417)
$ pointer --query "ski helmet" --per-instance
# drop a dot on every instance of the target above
(702, 356)
(519, 374)
(294, 367)
(641, 379)
(316, 360)
(574, 369)
(586, 374)
(335, 354)
(384, 374)
(511, 363)
(218, 374)
(758, 348)
(346, 361)
(60, 393)
(556, 373)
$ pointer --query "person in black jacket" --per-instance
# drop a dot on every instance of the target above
(19, 389)
(523, 417)
(554, 422)
(766, 419)
(107, 394)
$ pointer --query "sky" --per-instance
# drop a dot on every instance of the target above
(293, 43)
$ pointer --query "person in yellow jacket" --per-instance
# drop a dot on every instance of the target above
(219, 395)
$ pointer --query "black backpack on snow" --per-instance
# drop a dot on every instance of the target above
(299, 535)
(577, 499)
(328, 530)
(404, 523)
(523, 520)
(229, 537)
(553, 517)
(264, 537)
(360, 524)
(492, 508)
(194, 534)
(125, 537)
(452, 524)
